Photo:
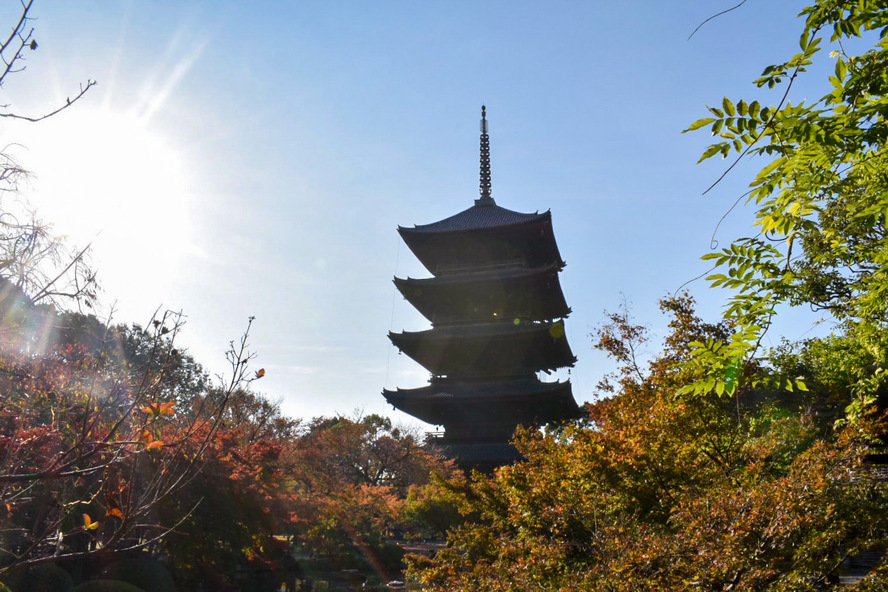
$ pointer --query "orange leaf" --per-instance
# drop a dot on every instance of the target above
(114, 512)
(167, 408)
(260, 372)
(154, 444)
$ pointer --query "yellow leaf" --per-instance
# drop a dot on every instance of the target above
(88, 524)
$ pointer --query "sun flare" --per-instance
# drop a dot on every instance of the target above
(109, 180)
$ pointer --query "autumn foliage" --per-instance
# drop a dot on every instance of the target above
(92, 439)
(665, 490)
(115, 445)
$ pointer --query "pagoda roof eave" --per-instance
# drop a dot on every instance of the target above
(461, 247)
(503, 348)
(483, 330)
(444, 400)
(483, 275)
(461, 390)
(477, 217)
(525, 293)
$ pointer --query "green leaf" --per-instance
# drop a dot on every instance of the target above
(710, 152)
(754, 109)
(841, 69)
(699, 123)
(728, 106)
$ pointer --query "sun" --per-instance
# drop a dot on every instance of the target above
(110, 180)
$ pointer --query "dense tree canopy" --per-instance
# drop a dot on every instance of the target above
(720, 466)
(665, 489)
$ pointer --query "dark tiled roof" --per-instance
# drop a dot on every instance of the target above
(504, 329)
(482, 389)
(503, 348)
(488, 296)
(483, 275)
(478, 217)
(511, 402)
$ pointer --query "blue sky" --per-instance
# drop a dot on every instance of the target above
(256, 158)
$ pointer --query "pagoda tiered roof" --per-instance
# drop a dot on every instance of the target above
(481, 236)
(489, 349)
(478, 217)
(451, 402)
(497, 309)
(488, 295)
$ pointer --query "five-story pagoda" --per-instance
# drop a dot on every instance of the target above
(497, 314)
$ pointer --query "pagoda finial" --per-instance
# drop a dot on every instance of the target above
(486, 199)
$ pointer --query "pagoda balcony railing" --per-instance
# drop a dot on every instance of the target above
(504, 264)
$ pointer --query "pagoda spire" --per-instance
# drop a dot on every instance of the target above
(486, 199)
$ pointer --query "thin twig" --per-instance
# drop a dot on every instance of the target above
(715, 16)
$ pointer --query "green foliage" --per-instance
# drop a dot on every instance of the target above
(844, 371)
(823, 189)
(821, 199)
(431, 510)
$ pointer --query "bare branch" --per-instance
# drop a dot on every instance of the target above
(714, 16)
(68, 103)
